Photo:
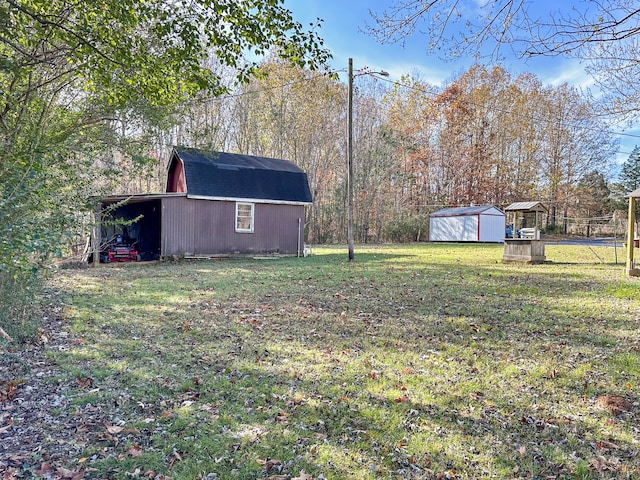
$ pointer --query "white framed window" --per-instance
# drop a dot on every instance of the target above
(244, 217)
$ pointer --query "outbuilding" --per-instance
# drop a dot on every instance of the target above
(215, 203)
(632, 235)
(484, 223)
(525, 245)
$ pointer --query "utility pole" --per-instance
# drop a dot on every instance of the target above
(350, 153)
(350, 163)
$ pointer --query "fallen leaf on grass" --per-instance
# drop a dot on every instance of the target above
(303, 476)
(605, 446)
(135, 451)
(175, 457)
(446, 475)
(601, 464)
(8, 474)
(402, 399)
(84, 382)
(113, 429)
(9, 389)
(282, 417)
(268, 463)
(558, 421)
(45, 468)
(17, 459)
(6, 428)
(538, 424)
(296, 401)
(70, 474)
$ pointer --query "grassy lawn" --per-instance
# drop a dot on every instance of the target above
(421, 361)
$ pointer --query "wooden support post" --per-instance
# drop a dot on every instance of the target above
(631, 270)
(97, 234)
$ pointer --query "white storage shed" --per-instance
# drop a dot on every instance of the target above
(483, 223)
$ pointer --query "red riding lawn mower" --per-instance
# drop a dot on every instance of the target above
(119, 250)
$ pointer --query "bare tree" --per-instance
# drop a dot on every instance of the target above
(517, 23)
(602, 33)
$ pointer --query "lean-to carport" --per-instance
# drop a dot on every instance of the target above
(631, 269)
(137, 218)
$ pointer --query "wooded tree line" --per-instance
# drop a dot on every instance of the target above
(94, 93)
(485, 137)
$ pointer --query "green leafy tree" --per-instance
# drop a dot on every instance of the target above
(593, 203)
(79, 78)
(628, 180)
(630, 172)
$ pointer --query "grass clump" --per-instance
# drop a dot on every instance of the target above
(416, 361)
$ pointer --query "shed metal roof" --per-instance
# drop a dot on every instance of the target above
(460, 211)
(137, 197)
(230, 175)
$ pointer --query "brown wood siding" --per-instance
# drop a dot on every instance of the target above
(207, 227)
(214, 221)
(276, 227)
(177, 226)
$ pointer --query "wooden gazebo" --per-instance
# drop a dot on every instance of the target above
(525, 244)
(631, 269)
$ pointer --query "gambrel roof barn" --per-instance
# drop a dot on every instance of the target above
(217, 203)
(219, 175)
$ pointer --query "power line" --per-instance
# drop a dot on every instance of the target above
(421, 90)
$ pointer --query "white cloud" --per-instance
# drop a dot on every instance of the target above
(571, 72)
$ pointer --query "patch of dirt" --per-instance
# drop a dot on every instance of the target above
(614, 404)
(39, 435)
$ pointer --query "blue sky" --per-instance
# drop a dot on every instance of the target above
(342, 30)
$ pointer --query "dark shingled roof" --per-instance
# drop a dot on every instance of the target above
(230, 175)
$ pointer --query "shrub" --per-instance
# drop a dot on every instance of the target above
(408, 229)
(19, 296)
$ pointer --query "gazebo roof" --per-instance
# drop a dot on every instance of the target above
(526, 207)
(634, 194)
